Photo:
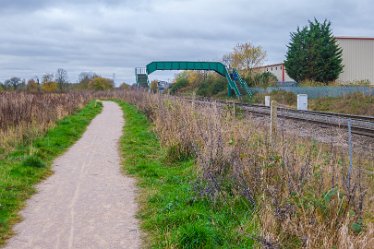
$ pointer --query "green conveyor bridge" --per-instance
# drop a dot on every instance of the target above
(235, 84)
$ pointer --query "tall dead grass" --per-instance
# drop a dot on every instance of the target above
(24, 116)
(298, 188)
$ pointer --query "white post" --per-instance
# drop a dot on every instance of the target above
(302, 102)
(267, 100)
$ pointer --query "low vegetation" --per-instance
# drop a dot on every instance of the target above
(213, 85)
(173, 214)
(57, 83)
(311, 83)
(282, 97)
(297, 193)
(25, 116)
(358, 103)
(202, 83)
(29, 163)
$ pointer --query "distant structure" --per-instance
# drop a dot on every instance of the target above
(358, 61)
(278, 70)
(163, 85)
(235, 84)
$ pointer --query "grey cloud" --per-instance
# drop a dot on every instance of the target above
(115, 36)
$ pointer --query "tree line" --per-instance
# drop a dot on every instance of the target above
(58, 82)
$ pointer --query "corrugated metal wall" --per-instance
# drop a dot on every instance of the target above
(358, 59)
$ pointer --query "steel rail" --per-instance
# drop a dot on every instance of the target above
(361, 125)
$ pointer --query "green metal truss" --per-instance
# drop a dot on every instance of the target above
(218, 67)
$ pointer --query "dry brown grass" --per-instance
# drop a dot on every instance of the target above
(299, 189)
(24, 116)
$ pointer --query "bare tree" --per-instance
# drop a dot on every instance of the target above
(37, 80)
(61, 78)
(227, 60)
(48, 77)
(85, 78)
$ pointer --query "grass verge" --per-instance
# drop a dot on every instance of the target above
(28, 164)
(172, 212)
(357, 103)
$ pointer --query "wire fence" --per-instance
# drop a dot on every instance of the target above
(318, 92)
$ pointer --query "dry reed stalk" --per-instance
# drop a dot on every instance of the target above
(24, 116)
(297, 185)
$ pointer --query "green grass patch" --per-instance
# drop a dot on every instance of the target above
(356, 103)
(172, 213)
(28, 164)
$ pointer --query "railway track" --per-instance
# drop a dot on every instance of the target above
(361, 125)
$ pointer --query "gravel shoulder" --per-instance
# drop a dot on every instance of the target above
(87, 202)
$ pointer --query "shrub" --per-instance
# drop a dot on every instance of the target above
(100, 84)
(50, 87)
(124, 86)
(265, 79)
(211, 86)
(179, 84)
(203, 89)
(308, 83)
(218, 86)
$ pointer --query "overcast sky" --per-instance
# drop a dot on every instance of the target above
(113, 37)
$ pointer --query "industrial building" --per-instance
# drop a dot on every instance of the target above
(358, 61)
(278, 70)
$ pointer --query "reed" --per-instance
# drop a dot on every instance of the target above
(298, 187)
(24, 116)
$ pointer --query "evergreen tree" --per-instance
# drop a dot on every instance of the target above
(313, 54)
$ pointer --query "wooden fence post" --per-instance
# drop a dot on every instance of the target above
(273, 120)
(193, 100)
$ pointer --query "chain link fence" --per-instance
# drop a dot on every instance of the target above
(318, 92)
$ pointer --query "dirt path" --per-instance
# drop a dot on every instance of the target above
(87, 203)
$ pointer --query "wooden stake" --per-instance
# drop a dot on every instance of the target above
(273, 120)
(193, 100)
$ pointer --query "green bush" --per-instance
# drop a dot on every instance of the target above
(265, 79)
(218, 86)
(203, 89)
(211, 86)
(179, 84)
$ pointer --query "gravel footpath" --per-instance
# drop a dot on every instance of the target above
(87, 202)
